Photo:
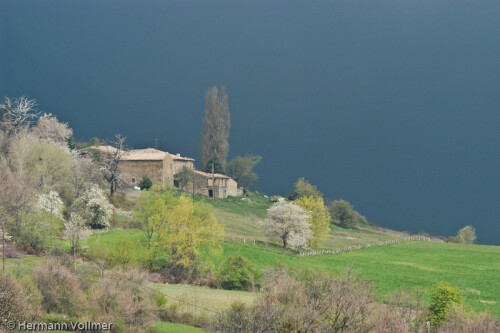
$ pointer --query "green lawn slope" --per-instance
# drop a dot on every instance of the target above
(473, 268)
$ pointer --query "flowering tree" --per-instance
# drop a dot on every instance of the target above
(76, 231)
(52, 204)
(50, 129)
(467, 234)
(94, 207)
(289, 222)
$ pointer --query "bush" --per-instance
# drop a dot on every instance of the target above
(443, 299)
(122, 254)
(30, 231)
(146, 183)
(238, 273)
(119, 298)
(404, 311)
(318, 303)
(462, 321)
(13, 300)
(60, 289)
(342, 213)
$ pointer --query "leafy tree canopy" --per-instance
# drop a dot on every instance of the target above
(241, 169)
(343, 213)
(304, 188)
(184, 176)
(175, 224)
(319, 218)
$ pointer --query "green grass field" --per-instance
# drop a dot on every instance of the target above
(473, 268)
(202, 300)
(175, 328)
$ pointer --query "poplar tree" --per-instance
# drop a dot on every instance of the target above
(216, 125)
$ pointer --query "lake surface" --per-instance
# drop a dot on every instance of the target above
(391, 105)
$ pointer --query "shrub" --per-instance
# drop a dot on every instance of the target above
(146, 183)
(119, 298)
(318, 303)
(60, 289)
(13, 300)
(342, 213)
(443, 298)
(462, 321)
(122, 253)
(238, 273)
(30, 231)
(404, 312)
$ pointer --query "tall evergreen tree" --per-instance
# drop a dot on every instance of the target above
(216, 125)
(216, 163)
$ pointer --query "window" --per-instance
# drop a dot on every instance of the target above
(133, 180)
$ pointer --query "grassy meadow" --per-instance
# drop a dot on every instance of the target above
(202, 300)
(413, 265)
(473, 268)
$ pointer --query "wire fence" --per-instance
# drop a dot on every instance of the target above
(343, 249)
(377, 243)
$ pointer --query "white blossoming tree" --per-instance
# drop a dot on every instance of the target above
(76, 231)
(94, 207)
(50, 129)
(290, 223)
(51, 204)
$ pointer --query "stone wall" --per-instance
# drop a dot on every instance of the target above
(223, 188)
(136, 170)
(179, 164)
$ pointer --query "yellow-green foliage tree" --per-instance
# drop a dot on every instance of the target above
(302, 189)
(190, 229)
(319, 218)
(178, 226)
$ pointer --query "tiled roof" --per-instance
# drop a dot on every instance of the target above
(180, 158)
(204, 174)
(147, 154)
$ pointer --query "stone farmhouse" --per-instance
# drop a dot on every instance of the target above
(161, 167)
(220, 186)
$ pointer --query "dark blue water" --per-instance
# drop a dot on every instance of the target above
(392, 105)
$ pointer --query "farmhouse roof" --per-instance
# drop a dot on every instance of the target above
(147, 154)
(204, 174)
(150, 154)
